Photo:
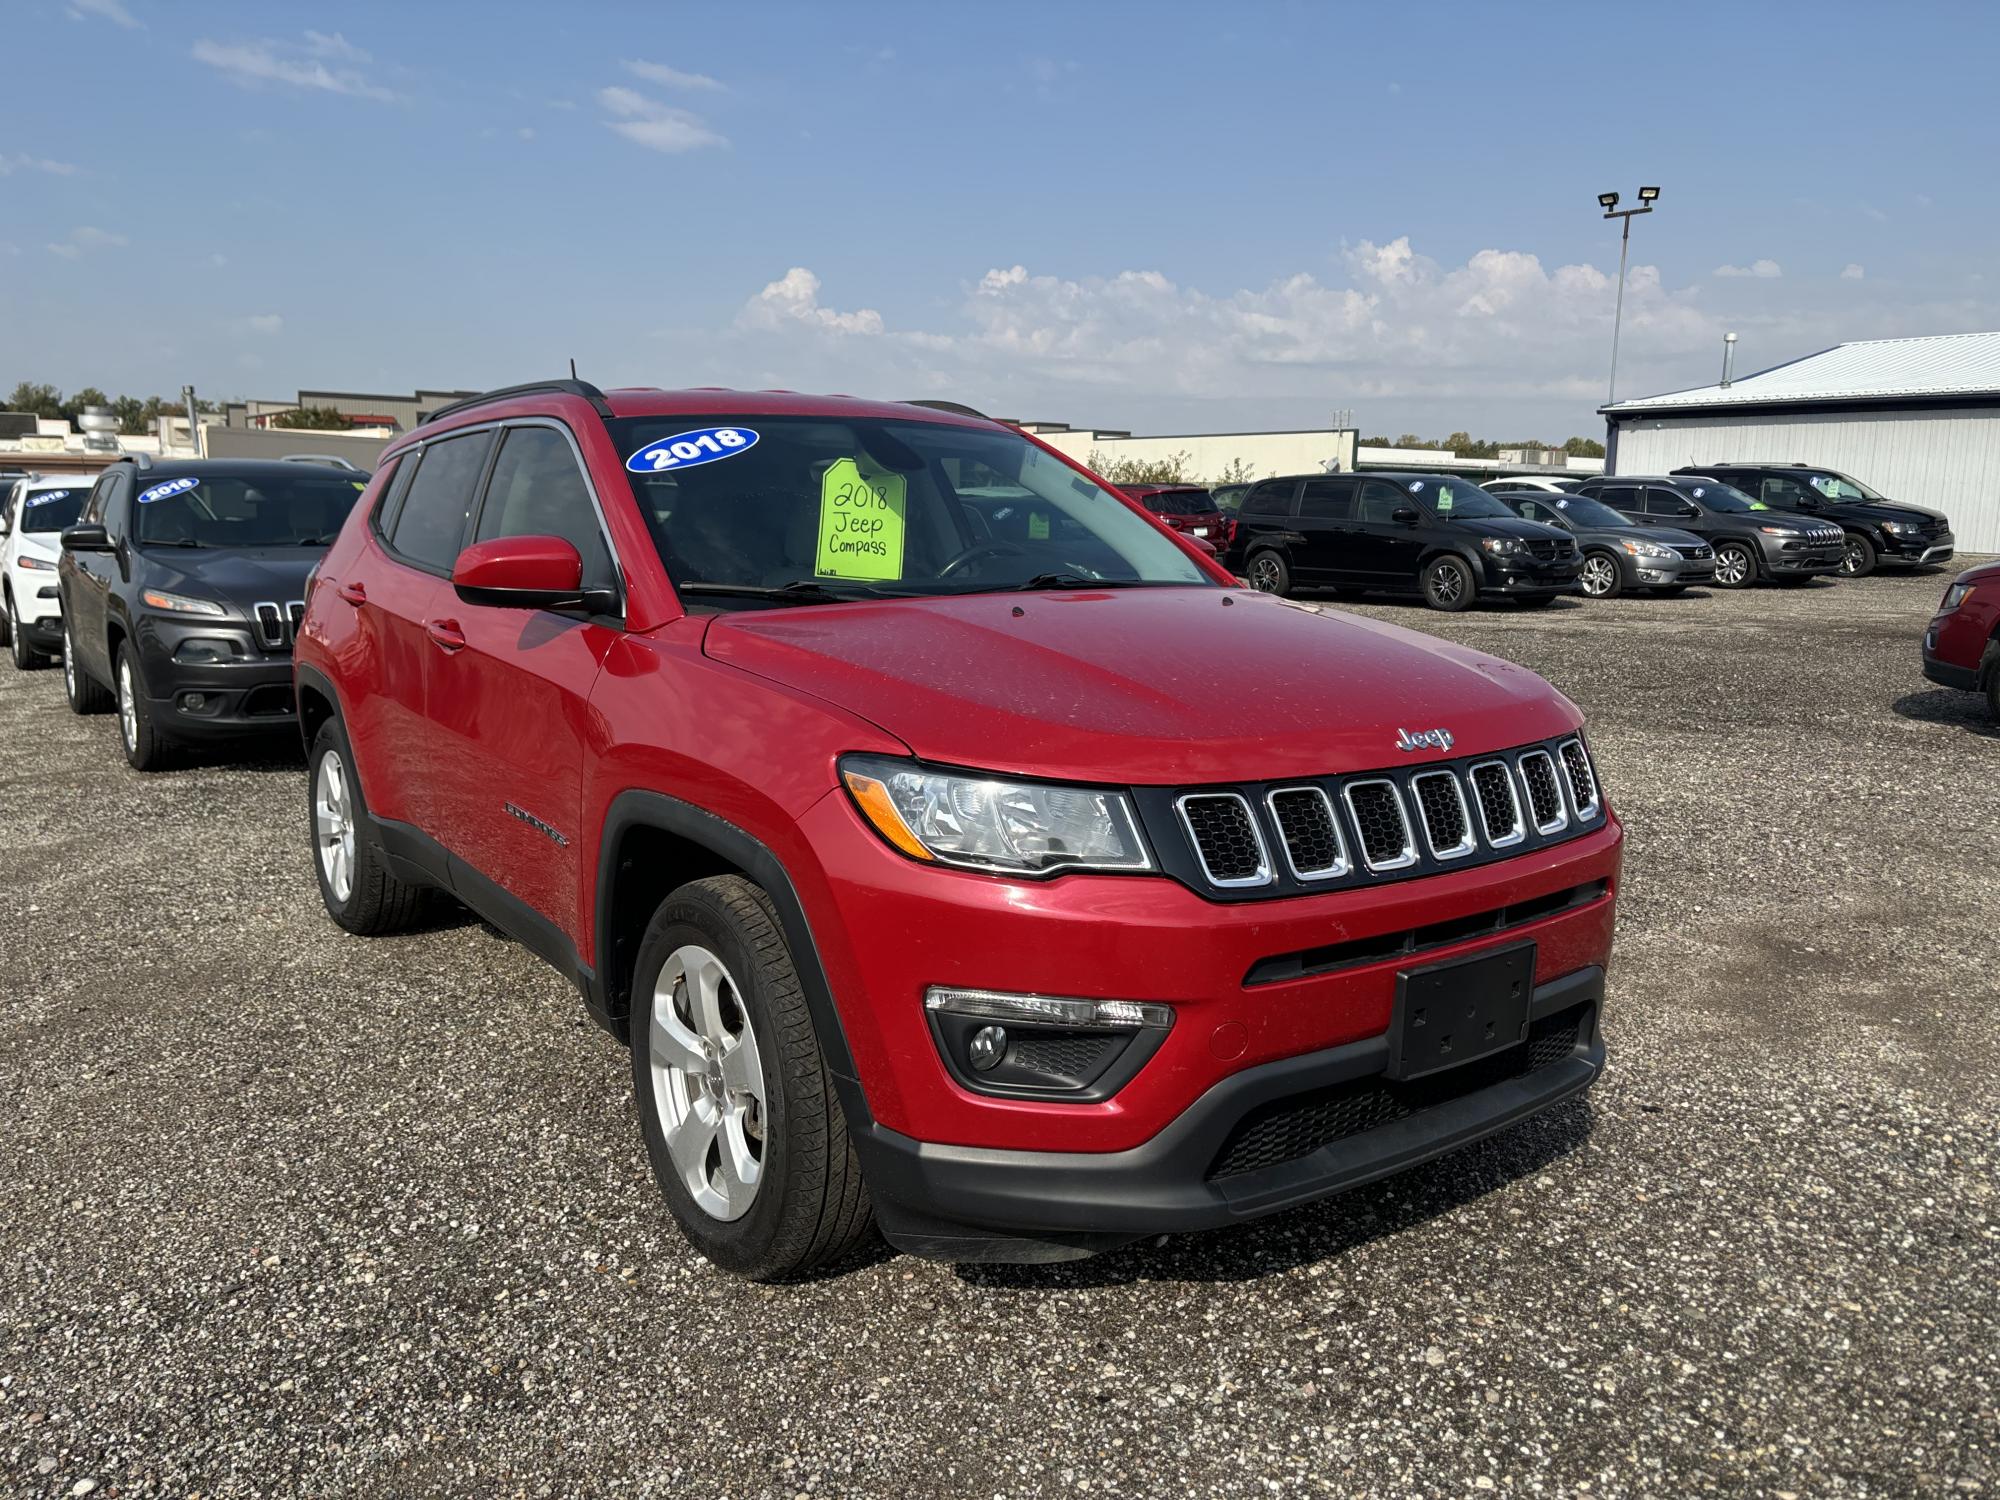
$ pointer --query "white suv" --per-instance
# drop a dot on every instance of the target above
(35, 515)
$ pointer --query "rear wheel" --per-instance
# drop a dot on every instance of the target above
(145, 746)
(1735, 565)
(1602, 577)
(85, 696)
(355, 882)
(740, 1119)
(1447, 583)
(1857, 556)
(1269, 573)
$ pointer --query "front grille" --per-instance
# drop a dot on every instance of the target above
(1499, 804)
(1582, 779)
(1699, 554)
(277, 624)
(1547, 549)
(1226, 839)
(1447, 820)
(1288, 1129)
(1078, 1056)
(1545, 801)
(1309, 833)
(1377, 807)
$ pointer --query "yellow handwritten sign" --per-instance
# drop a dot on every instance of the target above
(861, 529)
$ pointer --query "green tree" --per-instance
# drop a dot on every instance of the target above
(90, 395)
(1173, 469)
(42, 400)
(1236, 471)
(131, 414)
(318, 418)
(1583, 447)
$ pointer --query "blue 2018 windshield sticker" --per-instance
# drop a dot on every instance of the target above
(172, 487)
(46, 497)
(684, 450)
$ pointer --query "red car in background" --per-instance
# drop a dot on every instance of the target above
(1188, 508)
(1962, 642)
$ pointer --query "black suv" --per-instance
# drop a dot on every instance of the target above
(1431, 534)
(1752, 540)
(1875, 528)
(181, 587)
(1619, 554)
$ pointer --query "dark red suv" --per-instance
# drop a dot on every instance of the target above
(1962, 642)
(861, 765)
(1187, 508)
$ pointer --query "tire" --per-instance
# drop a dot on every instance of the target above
(146, 747)
(8, 633)
(1857, 557)
(1269, 573)
(360, 892)
(1448, 583)
(1602, 577)
(25, 657)
(1735, 565)
(84, 694)
(1993, 689)
(774, 1110)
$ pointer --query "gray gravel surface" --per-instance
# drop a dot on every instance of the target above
(286, 1211)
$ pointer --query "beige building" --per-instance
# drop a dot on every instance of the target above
(1208, 457)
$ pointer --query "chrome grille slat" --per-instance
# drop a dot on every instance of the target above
(1307, 824)
(1384, 845)
(1582, 779)
(1447, 820)
(1226, 839)
(1545, 798)
(1499, 804)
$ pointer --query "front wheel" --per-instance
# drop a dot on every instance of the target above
(84, 695)
(1447, 583)
(26, 658)
(1735, 565)
(1993, 683)
(146, 748)
(1269, 574)
(1857, 557)
(739, 1115)
(1602, 577)
(359, 890)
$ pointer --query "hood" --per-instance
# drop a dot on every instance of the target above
(1166, 686)
(262, 575)
(1879, 510)
(1669, 536)
(47, 545)
(1518, 527)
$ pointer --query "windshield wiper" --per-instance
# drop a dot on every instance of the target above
(798, 591)
(1078, 581)
(175, 542)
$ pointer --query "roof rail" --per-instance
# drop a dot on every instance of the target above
(137, 460)
(954, 407)
(581, 388)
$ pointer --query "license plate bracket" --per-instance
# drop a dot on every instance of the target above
(1452, 1013)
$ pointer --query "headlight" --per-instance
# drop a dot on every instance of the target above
(987, 823)
(1954, 596)
(1500, 546)
(1649, 549)
(35, 565)
(1780, 531)
(181, 604)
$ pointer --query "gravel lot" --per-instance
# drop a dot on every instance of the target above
(286, 1211)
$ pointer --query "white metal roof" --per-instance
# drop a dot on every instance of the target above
(1954, 364)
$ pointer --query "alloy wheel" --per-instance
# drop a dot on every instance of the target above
(1449, 584)
(1600, 574)
(333, 826)
(128, 704)
(1732, 565)
(1851, 560)
(14, 642)
(1264, 574)
(69, 663)
(708, 1082)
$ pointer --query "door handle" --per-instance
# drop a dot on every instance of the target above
(352, 593)
(445, 634)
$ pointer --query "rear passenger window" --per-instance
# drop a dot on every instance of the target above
(538, 490)
(1269, 500)
(1327, 499)
(1661, 502)
(1380, 501)
(1623, 497)
(430, 525)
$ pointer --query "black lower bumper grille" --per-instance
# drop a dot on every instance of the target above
(1288, 1129)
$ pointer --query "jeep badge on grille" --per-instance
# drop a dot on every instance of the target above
(1423, 739)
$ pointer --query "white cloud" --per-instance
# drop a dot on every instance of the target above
(265, 323)
(322, 44)
(22, 162)
(656, 126)
(525, 133)
(254, 64)
(1761, 270)
(104, 10)
(1851, 272)
(794, 298)
(674, 78)
(84, 239)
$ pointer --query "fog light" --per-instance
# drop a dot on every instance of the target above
(194, 703)
(987, 1047)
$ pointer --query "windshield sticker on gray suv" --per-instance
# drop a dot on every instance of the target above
(686, 450)
(47, 497)
(171, 488)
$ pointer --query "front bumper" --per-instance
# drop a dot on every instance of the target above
(37, 600)
(1510, 577)
(249, 693)
(1918, 551)
(1795, 559)
(1677, 571)
(1261, 1141)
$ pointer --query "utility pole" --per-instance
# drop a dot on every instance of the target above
(1609, 203)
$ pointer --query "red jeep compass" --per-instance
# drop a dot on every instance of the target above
(1962, 642)
(861, 765)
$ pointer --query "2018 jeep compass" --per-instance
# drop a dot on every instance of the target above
(860, 763)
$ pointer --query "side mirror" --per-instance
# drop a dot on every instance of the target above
(1404, 515)
(86, 539)
(522, 572)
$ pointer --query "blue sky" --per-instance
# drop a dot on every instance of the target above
(1169, 217)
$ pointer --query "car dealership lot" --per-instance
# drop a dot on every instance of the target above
(286, 1210)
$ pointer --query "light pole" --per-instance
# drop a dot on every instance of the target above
(1609, 203)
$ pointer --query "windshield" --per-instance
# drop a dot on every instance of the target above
(1834, 487)
(1458, 500)
(52, 510)
(1581, 510)
(263, 510)
(1182, 503)
(743, 507)
(1724, 497)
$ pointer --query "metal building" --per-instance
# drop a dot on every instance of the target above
(1918, 419)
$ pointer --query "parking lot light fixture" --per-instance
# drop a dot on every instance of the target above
(1609, 203)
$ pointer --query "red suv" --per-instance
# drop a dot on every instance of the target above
(1186, 507)
(1962, 642)
(852, 761)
